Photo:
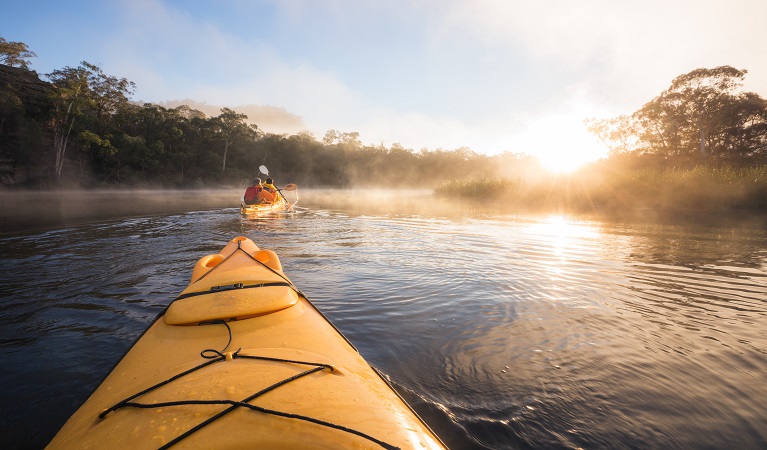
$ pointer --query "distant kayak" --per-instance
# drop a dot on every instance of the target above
(262, 208)
(279, 204)
(242, 359)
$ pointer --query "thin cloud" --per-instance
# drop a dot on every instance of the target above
(197, 59)
(268, 118)
(623, 53)
(490, 75)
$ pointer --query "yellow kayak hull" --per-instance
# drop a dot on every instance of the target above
(252, 364)
(263, 208)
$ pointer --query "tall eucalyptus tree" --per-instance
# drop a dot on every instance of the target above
(83, 98)
(231, 127)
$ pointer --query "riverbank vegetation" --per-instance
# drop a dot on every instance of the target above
(700, 144)
(78, 128)
(605, 187)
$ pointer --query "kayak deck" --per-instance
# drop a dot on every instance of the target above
(242, 359)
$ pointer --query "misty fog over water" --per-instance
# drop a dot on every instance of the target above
(503, 330)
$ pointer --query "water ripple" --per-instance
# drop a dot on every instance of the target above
(502, 331)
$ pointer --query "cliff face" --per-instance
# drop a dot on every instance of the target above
(24, 134)
(26, 86)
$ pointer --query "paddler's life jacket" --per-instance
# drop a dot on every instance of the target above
(270, 187)
(265, 196)
(251, 194)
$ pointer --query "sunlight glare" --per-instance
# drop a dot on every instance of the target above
(563, 163)
(563, 234)
(561, 141)
(568, 150)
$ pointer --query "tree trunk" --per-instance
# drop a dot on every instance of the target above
(60, 138)
(702, 136)
(226, 149)
(662, 140)
(81, 160)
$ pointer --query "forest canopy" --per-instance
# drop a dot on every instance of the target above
(79, 127)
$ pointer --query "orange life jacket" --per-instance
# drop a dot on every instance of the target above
(265, 196)
(251, 194)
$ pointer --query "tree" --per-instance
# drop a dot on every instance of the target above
(79, 93)
(745, 133)
(188, 113)
(350, 141)
(699, 101)
(231, 126)
(15, 54)
(68, 101)
(109, 96)
(699, 114)
(89, 144)
(617, 134)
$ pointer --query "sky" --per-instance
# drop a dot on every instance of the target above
(491, 75)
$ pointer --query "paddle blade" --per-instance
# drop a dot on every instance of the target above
(264, 170)
(290, 187)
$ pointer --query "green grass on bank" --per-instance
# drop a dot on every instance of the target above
(483, 188)
(699, 188)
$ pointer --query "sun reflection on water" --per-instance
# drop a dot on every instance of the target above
(564, 236)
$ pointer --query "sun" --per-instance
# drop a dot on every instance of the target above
(567, 150)
(564, 163)
(560, 140)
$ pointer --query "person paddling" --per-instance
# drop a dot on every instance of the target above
(271, 188)
(255, 193)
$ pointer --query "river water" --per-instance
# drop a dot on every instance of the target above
(503, 330)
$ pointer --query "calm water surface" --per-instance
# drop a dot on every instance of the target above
(503, 331)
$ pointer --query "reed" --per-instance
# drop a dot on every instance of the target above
(484, 187)
(700, 188)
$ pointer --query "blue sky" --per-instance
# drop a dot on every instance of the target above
(490, 75)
